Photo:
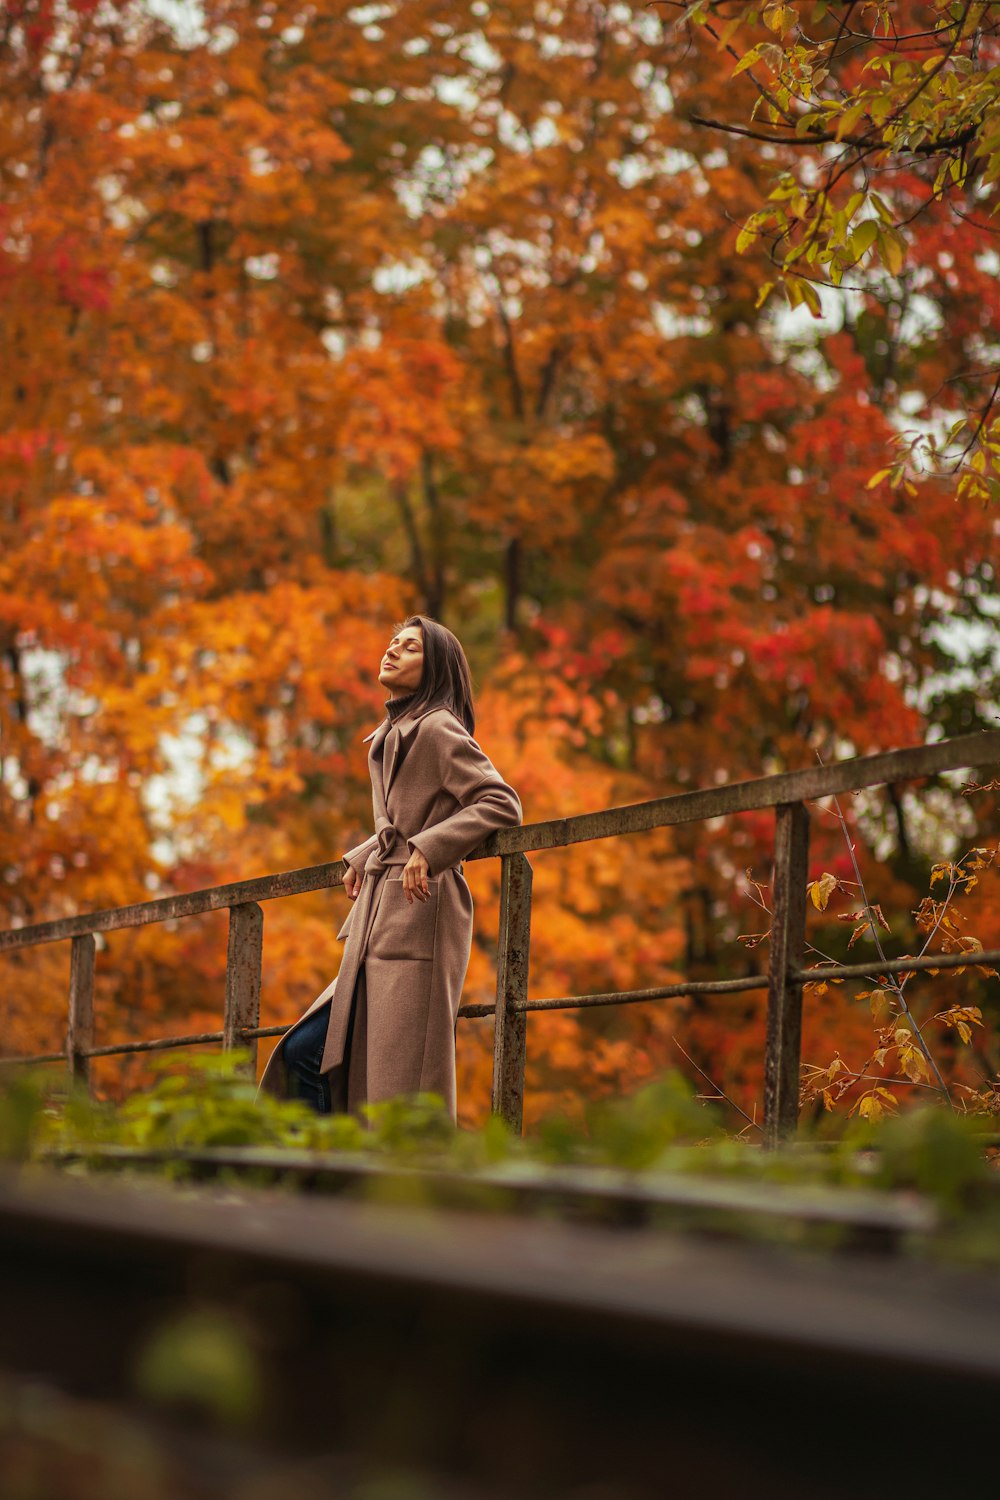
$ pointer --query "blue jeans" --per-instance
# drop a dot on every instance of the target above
(303, 1054)
(329, 1093)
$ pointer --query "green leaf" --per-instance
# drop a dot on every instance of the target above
(862, 238)
(881, 208)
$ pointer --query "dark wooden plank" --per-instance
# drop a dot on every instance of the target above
(242, 1008)
(782, 1057)
(882, 1214)
(80, 1029)
(935, 1316)
(612, 1359)
(512, 989)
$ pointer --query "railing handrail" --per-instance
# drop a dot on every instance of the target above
(853, 775)
(856, 774)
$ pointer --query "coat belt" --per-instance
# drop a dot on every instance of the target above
(392, 851)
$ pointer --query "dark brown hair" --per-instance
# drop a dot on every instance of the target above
(446, 678)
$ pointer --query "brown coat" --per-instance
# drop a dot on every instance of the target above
(434, 790)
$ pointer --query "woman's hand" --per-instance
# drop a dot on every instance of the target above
(415, 873)
(352, 882)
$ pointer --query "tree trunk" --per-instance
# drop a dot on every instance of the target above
(512, 581)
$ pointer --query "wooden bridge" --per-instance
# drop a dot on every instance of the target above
(787, 794)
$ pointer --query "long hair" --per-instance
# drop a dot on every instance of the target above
(446, 677)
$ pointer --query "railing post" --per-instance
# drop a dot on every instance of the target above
(782, 1059)
(246, 941)
(512, 985)
(80, 1030)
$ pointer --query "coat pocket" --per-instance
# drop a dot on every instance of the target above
(402, 929)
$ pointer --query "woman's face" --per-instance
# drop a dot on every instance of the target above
(403, 662)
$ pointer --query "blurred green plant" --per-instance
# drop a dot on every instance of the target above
(22, 1107)
(633, 1133)
(208, 1102)
(202, 1362)
(936, 1153)
(199, 1102)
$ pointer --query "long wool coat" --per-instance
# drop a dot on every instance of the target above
(434, 790)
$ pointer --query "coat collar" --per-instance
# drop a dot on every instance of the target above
(406, 722)
(405, 726)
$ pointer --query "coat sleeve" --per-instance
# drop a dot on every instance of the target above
(357, 857)
(485, 801)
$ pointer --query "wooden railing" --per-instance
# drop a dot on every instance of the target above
(784, 981)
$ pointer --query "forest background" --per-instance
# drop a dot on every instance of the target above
(313, 314)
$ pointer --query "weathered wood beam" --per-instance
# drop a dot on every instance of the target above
(512, 990)
(242, 1008)
(80, 1030)
(783, 1048)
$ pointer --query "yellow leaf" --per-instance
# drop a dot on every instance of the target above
(849, 119)
(810, 297)
(747, 60)
(913, 1063)
(892, 250)
(879, 1002)
(780, 18)
(821, 890)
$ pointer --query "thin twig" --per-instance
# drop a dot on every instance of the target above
(979, 426)
(852, 1078)
(713, 1085)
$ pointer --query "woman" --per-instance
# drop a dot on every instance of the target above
(386, 1024)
